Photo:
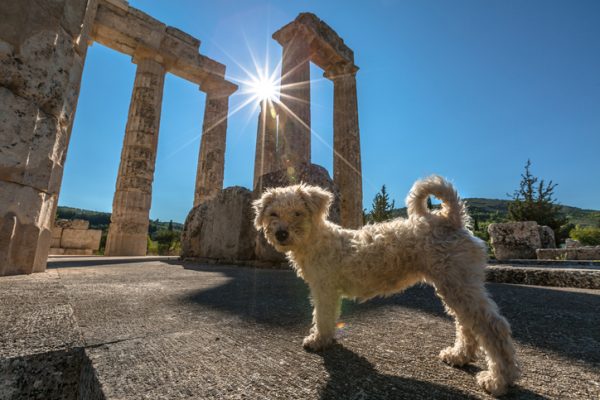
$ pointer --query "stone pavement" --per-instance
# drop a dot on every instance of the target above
(165, 329)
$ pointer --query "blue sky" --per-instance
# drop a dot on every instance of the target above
(466, 89)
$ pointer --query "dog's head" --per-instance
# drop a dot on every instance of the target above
(288, 215)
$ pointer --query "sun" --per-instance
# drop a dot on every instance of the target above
(263, 88)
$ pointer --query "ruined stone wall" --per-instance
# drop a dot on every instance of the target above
(73, 237)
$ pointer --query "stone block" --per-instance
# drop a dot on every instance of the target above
(56, 250)
(546, 237)
(80, 224)
(56, 234)
(80, 239)
(78, 252)
(515, 240)
(590, 253)
(572, 243)
(221, 228)
(25, 228)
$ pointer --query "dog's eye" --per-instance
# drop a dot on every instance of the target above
(273, 214)
(298, 214)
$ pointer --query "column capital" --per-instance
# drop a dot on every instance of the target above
(143, 53)
(341, 70)
(291, 32)
(218, 88)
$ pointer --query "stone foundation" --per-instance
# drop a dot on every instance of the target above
(72, 237)
(575, 253)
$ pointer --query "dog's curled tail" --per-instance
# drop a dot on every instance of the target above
(452, 207)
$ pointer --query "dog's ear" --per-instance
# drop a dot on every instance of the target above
(317, 200)
(259, 207)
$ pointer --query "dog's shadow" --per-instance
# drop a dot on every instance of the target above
(353, 377)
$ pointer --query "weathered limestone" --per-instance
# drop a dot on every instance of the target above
(128, 231)
(73, 237)
(295, 98)
(125, 29)
(41, 63)
(347, 172)
(266, 157)
(546, 237)
(220, 229)
(306, 39)
(211, 158)
(519, 240)
(42, 51)
(573, 253)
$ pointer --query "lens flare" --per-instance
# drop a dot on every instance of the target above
(263, 88)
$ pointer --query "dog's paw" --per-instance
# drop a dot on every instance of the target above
(494, 385)
(454, 358)
(315, 342)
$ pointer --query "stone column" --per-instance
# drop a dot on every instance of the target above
(211, 159)
(347, 172)
(128, 231)
(295, 98)
(266, 159)
(42, 53)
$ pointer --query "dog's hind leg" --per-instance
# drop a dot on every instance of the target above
(327, 307)
(477, 313)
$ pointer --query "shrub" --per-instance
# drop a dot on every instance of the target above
(587, 235)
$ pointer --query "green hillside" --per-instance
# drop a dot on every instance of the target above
(497, 210)
(101, 220)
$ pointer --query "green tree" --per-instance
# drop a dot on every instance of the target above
(534, 201)
(382, 208)
(166, 240)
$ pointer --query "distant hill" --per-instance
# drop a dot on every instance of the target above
(497, 210)
(101, 220)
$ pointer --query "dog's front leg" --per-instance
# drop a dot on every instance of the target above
(327, 304)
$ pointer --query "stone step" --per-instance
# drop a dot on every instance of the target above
(581, 264)
(545, 275)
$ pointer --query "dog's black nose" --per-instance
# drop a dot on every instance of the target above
(282, 235)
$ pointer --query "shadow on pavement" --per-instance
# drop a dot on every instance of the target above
(561, 321)
(353, 377)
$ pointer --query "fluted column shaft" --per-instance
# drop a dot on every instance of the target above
(347, 171)
(266, 158)
(211, 160)
(295, 99)
(128, 230)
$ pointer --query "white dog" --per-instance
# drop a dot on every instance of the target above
(385, 258)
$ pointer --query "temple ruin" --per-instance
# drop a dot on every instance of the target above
(283, 150)
(42, 54)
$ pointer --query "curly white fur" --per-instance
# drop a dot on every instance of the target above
(385, 258)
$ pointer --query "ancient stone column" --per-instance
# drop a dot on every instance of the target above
(211, 160)
(347, 172)
(128, 231)
(266, 159)
(42, 53)
(295, 98)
